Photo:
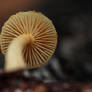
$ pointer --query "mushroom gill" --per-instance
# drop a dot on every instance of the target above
(28, 40)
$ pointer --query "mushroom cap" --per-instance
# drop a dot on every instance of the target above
(42, 43)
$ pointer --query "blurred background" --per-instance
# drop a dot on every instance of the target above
(72, 60)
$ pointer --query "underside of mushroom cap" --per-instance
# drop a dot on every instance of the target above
(40, 34)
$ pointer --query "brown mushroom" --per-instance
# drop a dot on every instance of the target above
(28, 40)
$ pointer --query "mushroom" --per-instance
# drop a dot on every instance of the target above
(28, 40)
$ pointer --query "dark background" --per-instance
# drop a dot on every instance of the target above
(72, 60)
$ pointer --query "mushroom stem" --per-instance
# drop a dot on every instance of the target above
(14, 56)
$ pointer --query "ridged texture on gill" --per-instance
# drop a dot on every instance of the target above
(42, 31)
